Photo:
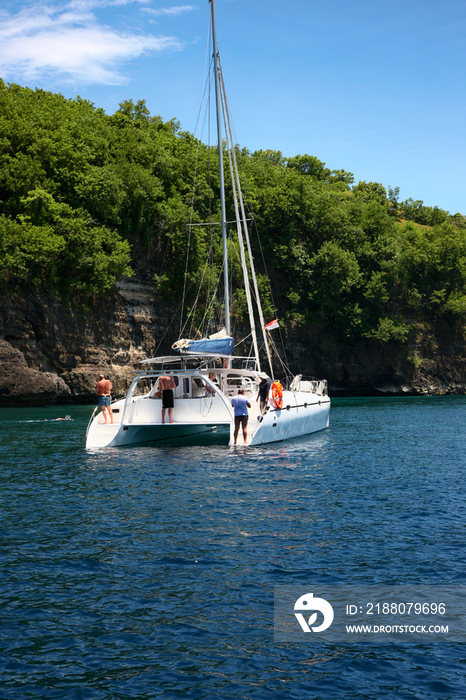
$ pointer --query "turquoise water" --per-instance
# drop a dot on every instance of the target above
(149, 572)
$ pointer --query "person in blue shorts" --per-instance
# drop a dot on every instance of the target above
(104, 399)
(241, 405)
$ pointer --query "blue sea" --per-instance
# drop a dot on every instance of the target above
(149, 572)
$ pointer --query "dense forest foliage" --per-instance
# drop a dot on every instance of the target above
(85, 196)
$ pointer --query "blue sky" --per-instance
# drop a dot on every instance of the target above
(378, 89)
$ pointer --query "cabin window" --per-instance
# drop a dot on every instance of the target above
(198, 387)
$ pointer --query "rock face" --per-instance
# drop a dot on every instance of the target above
(19, 383)
(431, 362)
(51, 353)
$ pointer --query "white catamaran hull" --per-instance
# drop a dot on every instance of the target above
(302, 414)
(184, 433)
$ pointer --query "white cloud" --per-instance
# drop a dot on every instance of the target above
(178, 10)
(88, 4)
(69, 43)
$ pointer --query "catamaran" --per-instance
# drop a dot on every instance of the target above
(205, 373)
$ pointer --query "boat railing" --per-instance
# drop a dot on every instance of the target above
(91, 419)
(233, 384)
(311, 386)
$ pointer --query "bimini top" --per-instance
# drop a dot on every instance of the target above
(187, 354)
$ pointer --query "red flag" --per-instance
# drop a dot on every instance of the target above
(273, 324)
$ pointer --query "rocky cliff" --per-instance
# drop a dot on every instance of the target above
(431, 362)
(52, 353)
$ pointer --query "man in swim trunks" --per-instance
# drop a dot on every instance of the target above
(166, 386)
(104, 400)
(241, 405)
(263, 393)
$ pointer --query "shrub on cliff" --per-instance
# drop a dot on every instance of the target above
(54, 246)
(81, 191)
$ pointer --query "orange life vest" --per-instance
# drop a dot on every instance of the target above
(277, 394)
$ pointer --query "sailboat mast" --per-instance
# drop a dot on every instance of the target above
(238, 196)
(220, 161)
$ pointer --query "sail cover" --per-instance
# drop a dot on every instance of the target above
(220, 343)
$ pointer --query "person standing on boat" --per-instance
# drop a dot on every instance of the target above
(264, 388)
(210, 391)
(103, 389)
(167, 386)
(241, 405)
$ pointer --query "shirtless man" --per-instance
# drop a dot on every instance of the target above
(166, 386)
(103, 389)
